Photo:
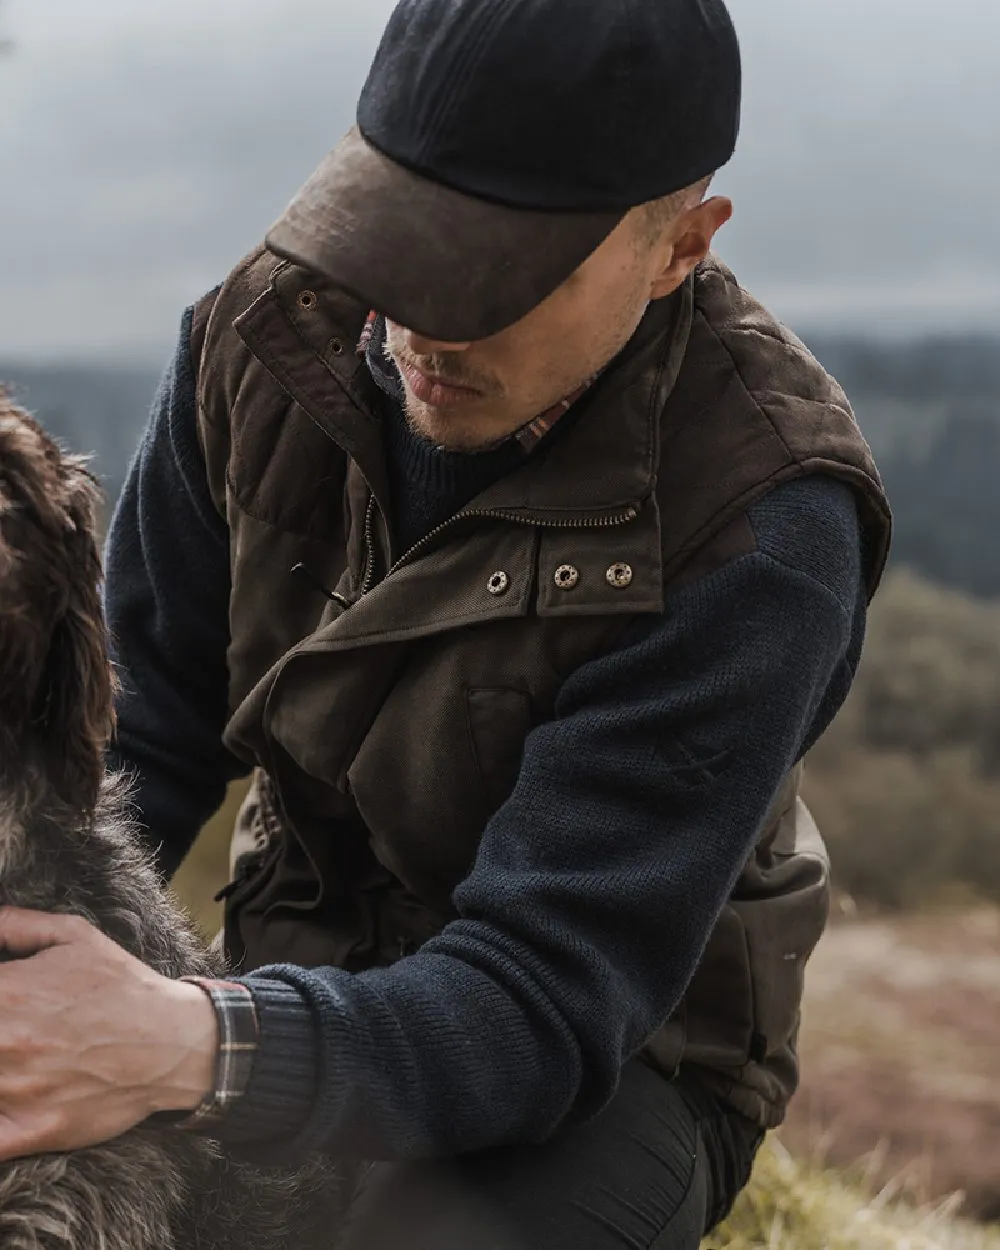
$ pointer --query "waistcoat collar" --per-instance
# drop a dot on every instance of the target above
(302, 329)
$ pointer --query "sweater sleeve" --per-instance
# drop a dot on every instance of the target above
(597, 883)
(167, 607)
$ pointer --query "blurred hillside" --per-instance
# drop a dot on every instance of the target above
(901, 1023)
(906, 783)
(930, 409)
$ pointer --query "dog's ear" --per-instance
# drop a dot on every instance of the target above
(29, 600)
(75, 699)
(56, 693)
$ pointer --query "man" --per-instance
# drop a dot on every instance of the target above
(522, 612)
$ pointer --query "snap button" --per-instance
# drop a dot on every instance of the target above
(567, 576)
(308, 300)
(619, 576)
(498, 584)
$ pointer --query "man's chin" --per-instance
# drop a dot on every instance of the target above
(456, 428)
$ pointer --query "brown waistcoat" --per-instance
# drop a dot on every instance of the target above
(386, 724)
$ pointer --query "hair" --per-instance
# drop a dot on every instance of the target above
(55, 687)
(67, 845)
(656, 216)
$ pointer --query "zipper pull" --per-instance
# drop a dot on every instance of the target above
(302, 571)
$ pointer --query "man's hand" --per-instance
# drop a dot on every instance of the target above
(91, 1040)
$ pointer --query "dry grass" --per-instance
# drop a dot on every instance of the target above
(792, 1205)
(899, 1041)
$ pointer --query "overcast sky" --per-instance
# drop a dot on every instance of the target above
(145, 145)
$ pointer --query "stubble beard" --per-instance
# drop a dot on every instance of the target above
(467, 427)
(448, 429)
(482, 423)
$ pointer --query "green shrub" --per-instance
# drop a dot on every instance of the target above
(906, 784)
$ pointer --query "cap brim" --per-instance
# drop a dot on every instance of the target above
(445, 264)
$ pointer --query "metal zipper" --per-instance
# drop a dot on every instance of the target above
(600, 522)
(604, 522)
(366, 581)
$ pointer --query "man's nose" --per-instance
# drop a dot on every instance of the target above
(421, 345)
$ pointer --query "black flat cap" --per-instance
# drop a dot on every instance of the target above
(499, 142)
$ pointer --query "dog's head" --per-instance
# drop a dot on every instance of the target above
(55, 680)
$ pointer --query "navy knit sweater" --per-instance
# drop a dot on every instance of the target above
(597, 883)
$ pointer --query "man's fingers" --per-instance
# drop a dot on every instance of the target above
(27, 932)
(31, 1136)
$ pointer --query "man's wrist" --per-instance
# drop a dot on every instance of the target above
(194, 1027)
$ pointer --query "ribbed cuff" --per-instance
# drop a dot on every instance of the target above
(281, 1094)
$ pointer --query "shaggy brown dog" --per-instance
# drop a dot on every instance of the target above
(66, 846)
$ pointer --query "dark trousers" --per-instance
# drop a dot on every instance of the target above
(658, 1168)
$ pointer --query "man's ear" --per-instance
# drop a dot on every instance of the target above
(695, 231)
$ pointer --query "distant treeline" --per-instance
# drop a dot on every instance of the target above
(97, 410)
(946, 500)
(945, 368)
(930, 408)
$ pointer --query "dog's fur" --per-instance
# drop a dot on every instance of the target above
(66, 846)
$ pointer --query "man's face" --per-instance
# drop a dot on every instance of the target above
(467, 396)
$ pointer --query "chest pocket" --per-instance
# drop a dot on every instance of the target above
(433, 769)
(445, 750)
(499, 720)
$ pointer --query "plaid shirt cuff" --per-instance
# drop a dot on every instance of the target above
(238, 1031)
